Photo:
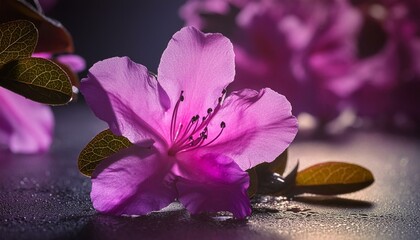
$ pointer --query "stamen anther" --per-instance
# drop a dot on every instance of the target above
(194, 134)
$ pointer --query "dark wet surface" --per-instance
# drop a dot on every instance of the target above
(45, 197)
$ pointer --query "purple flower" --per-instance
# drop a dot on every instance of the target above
(25, 126)
(294, 47)
(192, 143)
(324, 56)
(388, 78)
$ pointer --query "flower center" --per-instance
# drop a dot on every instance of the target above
(194, 134)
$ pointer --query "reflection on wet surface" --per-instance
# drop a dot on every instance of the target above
(176, 224)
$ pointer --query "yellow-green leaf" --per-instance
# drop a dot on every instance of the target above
(332, 178)
(74, 79)
(53, 37)
(38, 79)
(100, 147)
(17, 40)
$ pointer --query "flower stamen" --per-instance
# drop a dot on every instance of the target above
(186, 139)
(222, 126)
(174, 117)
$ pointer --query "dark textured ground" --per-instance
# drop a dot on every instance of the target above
(45, 197)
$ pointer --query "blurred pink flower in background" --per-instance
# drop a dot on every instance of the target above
(324, 56)
(388, 72)
(25, 126)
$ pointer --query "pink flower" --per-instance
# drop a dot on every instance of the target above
(25, 126)
(192, 143)
(388, 80)
(324, 56)
(295, 47)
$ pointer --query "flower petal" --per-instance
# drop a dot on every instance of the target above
(25, 126)
(201, 65)
(259, 127)
(134, 181)
(213, 183)
(75, 62)
(127, 97)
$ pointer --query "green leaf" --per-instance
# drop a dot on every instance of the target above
(73, 78)
(100, 147)
(332, 178)
(37, 79)
(17, 40)
(53, 37)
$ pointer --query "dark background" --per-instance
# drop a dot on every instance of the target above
(104, 29)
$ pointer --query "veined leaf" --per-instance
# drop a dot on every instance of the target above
(332, 178)
(74, 79)
(100, 147)
(37, 79)
(17, 40)
(53, 37)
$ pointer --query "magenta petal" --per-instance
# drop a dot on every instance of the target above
(127, 97)
(134, 181)
(199, 64)
(259, 126)
(42, 55)
(25, 126)
(75, 62)
(213, 183)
